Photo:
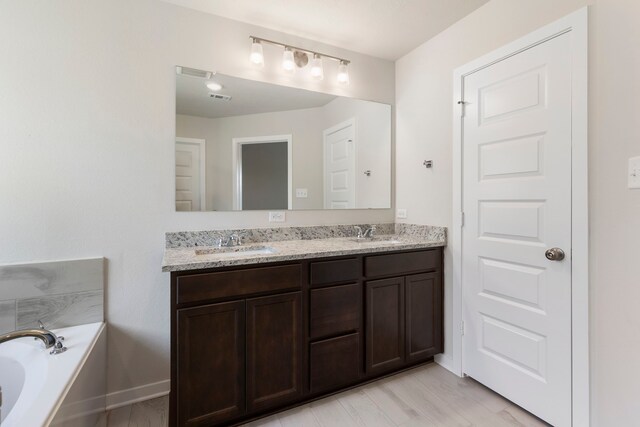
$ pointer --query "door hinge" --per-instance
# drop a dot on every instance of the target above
(461, 219)
(462, 328)
(462, 105)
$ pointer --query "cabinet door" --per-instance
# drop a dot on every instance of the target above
(211, 348)
(423, 309)
(274, 351)
(384, 325)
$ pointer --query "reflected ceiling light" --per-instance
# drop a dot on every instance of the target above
(288, 63)
(317, 71)
(293, 57)
(256, 56)
(214, 86)
(343, 73)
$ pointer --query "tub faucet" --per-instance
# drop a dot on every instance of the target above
(49, 339)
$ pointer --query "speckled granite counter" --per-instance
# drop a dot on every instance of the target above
(302, 243)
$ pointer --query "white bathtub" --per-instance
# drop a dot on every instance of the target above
(35, 383)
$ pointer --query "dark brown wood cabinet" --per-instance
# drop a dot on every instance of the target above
(252, 340)
(423, 314)
(211, 351)
(274, 349)
(404, 321)
(385, 325)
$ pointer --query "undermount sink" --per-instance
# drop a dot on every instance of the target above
(236, 251)
(378, 240)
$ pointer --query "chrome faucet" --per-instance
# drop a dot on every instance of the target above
(230, 240)
(47, 337)
(367, 234)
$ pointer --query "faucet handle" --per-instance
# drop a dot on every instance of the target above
(58, 347)
(358, 230)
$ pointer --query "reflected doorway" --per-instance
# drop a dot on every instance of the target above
(262, 172)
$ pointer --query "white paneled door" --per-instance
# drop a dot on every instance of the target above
(189, 174)
(517, 207)
(340, 166)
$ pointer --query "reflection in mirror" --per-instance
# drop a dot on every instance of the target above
(247, 145)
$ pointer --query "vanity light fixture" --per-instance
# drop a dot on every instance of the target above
(256, 57)
(317, 72)
(288, 63)
(343, 73)
(293, 57)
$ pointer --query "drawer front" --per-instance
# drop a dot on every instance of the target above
(334, 310)
(334, 362)
(225, 284)
(327, 272)
(402, 263)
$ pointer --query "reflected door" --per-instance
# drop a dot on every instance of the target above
(340, 166)
(517, 204)
(189, 175)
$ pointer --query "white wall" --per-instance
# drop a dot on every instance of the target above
(87, 121)
(424, 131)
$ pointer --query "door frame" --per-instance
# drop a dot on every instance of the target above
(236, 165)
(349, 122)
(577, 25)
(203, 162)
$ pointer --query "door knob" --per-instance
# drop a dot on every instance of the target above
(554, 254)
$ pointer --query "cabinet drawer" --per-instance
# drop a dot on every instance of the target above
(334, 310)
(334, 362)
(402, 263)
(327, 272)
(207, 286)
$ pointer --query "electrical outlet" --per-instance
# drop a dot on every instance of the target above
(634, 172)
(401, 214)
(279, 216)
(301, 193)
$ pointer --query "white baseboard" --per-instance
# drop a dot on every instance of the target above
(445, 362)
(137, 394)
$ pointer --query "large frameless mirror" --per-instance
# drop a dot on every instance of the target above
(248, 145)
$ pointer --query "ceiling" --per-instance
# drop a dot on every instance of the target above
(247, 97)
(382, 28)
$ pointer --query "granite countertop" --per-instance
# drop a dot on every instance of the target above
(185, 258)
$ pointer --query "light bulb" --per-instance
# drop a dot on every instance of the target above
(288, 63)
(316, 67)
(343, 73)
(256, 56)
(214, 86)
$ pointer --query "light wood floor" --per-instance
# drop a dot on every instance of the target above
(426, 396)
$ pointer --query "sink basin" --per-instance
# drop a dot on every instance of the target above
(236, 251)
(378, 240)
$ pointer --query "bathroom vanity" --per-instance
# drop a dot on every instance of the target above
(255, 334)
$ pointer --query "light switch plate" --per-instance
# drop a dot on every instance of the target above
(401, 213)
(279, 216)
(301, 193)
(634, 172)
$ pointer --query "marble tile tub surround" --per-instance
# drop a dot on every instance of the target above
(188, 239)
(60, 293)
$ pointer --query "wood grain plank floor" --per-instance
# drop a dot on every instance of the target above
(425, 396)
